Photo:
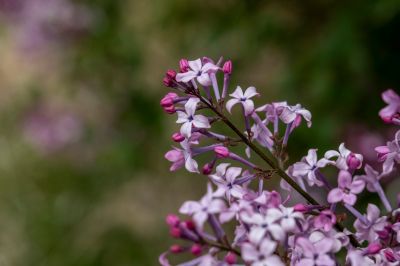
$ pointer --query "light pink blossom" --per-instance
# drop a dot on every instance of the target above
(243, 99)
(197, 71)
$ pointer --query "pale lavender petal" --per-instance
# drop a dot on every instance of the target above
(231, 103)
(209, 67)
(204, 79)
(237, 191)
(305, 262)
(199, 218)
(174, 155)
(195, 65)
(232, 173)
(349, 198)
(238, 93)
(276, 231)
(256, 234)
(325, 260)
(185, 77)
(273, 215)
(190, 106)
(216, 206)
(182, 117)
(311, 157)
(200, 121)
(357, 186)
(248, 107)
(300, 169)
(249, 252)
(287, 116)
(186, 129)
(335, 195)
(190, 207)
(372, 212)
(221, 168)
(250, 92)
(323, 246)
(344, 179)
(267, 247)
(331, 153)
(273, 260)
(191, 165)
(390, 96)
(288, 224)
(306, 246)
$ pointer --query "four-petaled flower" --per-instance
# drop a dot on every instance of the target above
(243, 99)
(189, 118)
(293, 114)
(261, 253)
(393, 108)
(198, 71)
(225, 178)
(184, 156)
(201, 209)
(368, 231)
(389, 154)
(345, 158)
(263, 224)
(346, 190)
(308, 166)
(315, 254)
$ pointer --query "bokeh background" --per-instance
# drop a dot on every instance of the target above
(82, 176)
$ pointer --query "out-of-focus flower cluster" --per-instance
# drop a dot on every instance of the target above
(269, 231)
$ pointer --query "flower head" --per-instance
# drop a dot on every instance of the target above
(392, 110)
(294, 114)
(197, 70)
(189, 118)
(345, 158)
(243, 99)
(346, 190)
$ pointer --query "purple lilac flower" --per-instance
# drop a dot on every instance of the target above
(391, 113)
(199, 71)
(345, 158)
(375, 223)
(225, 178)
(315, 254)
(389, 154)
(294, 114)
(188, 119)
(346, 190)
(261, 253)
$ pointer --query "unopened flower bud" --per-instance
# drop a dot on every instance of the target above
(300, 207)
(183, 65)
(373, 248)
(207, 169)
(168, 99)
(176, 249)
(227, 68)
(230, 258)
(221, 151)
(178, 137)
(389, 255)
(175, 232)
(170, 109)
(190, 224)
(353, 161)
(383, 234)
(196, 249)
(171, 73)
(168, 82)
(172, 220)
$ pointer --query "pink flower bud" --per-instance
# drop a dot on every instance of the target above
(183, 65)
(170, 109)
(227, 68)
(171, 73)
(168, 99)
(389, 255)
(176, 249)
(178, 137)
(383, 234)
(221, 151)
(175, 232)
(207, 169)
(168, 82)
(190, 225)
(353, 161)
(172, 220)
(230, 258)
(196, 249)
(300, 207)
(373, 248)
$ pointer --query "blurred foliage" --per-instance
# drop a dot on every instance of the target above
(101, 198)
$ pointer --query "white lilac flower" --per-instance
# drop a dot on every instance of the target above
(389, 154)
(200, 210)
(308, 166)
(339, 239)
(345, 158)
(225, 178)
(357, 257)
(288, 217)
(261, 253)
(375, 223)
(315, 254)
(264, 224)
(370, 177)
(197, 71)
(243, 99)
(189, 118)
(293, 114)
(346, 190)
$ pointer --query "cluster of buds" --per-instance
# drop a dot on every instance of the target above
(267, 229)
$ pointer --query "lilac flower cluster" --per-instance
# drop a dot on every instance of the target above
(265, 229)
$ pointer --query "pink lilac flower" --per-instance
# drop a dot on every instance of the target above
(389, 154)
(345, 158)
(392, 110)
(325, 220)
(293, 114)
(182, 157)
(261, 254)
(308, 166)
(264, 224)
(315, 254)
(200, 210)
(368, 231)
(338, 239)
(288, 218)
(243, 99)
(346, 190)
(197, 71)
(225, 178)
(357, 257)
(188, 119)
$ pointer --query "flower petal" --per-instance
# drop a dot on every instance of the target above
(230, 104)
(335, 195)
(195, 65)
(201, 121)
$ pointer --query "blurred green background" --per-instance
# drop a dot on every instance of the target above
(82, 176)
